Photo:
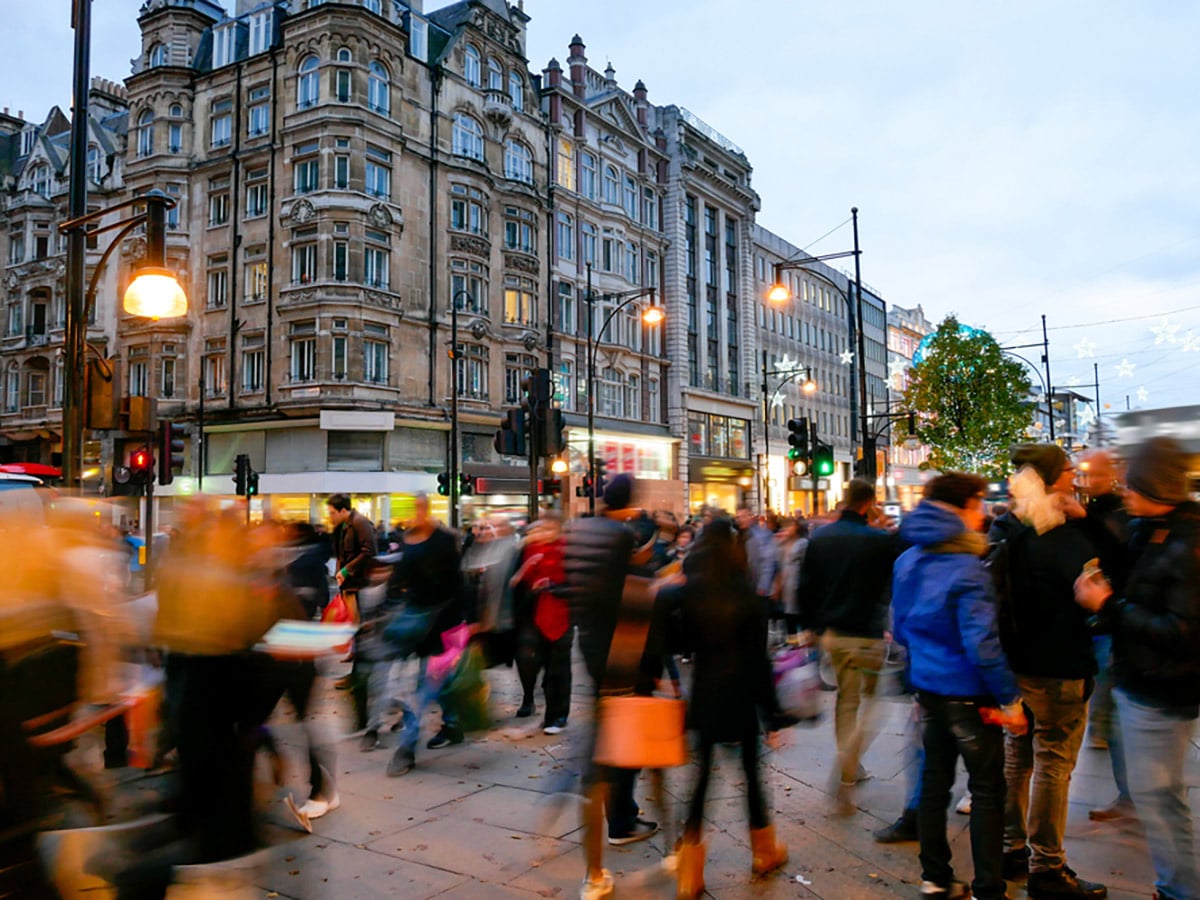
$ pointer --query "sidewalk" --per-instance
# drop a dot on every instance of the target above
(476, 820)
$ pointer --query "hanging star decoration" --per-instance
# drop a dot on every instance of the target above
(787, 365)
(1086, 349)
(1143, 395)
(1165, 333)
(896, 369)
(1086, 416)
(1191, 342)
(1060, 424)
(777, 401)
(847, 357)
(1074, 381)
(1125, 368)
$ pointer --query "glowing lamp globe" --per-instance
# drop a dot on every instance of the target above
(779, 293)
(155, 294)
(653, 315)
(559, 466)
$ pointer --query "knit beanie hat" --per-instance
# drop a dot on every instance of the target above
(1048, 460)
(618, 494)
(1158, 470)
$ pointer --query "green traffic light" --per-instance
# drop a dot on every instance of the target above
(793, 454)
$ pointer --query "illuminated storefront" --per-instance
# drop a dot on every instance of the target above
(720, 471)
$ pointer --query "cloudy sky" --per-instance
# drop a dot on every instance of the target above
(1008, 160)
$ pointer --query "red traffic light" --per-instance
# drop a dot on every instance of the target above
(141, 459)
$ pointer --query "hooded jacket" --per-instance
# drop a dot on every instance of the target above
(944, 609)
(1156, 623)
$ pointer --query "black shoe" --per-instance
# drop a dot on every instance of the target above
(401, 763)
(1016, 864)
(526, 710)
(445, 738)
(640, 831)
(902, 830)
(369, 741)
(1059, 883)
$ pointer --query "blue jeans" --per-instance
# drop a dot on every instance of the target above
(914, 762)
(413, 711)
(1102, 714)
(1159, 739)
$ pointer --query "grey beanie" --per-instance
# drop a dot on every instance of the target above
(1158, 470)
(1048, 460)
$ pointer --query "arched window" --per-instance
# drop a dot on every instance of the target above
(41, 180)
(516, 90)
(146, 133)
(176, 111)
(612, 186)
(495, 75)
(342, 79)
(175, 130)
(518, 162)
(471, 68)
(343, 55)
(377, 90)
(467, 137)
(158, 55)
(308, 84)
(95, 163)
(12, 388)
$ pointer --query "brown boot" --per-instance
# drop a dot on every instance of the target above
(769, 853)
(689, 871)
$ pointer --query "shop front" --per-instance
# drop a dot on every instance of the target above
(720, 472)
(649, 459)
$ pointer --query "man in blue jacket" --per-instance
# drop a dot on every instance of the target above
(944, 612)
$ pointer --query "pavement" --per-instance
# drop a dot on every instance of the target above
(485, 819)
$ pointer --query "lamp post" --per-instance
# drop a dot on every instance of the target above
(652, 315)
(154, 293)
(453, 355)
(1047, 388)
(768, 403)
(781, 293)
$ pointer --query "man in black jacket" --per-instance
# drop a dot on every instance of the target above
(1155, 623)
(1049, 646)
(843, 594)
(600, 553)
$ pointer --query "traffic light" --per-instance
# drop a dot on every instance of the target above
(443, 480)
(584, 489)
(141, 466)
(552, 441)
(822, 460)
(171, 440)
(598, 477)
(466, 485)
(549, 486)
(251, 483)
(510, 439)
(241, 474)
(798, 439)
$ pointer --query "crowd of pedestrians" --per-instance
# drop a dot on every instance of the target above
(1071, 613)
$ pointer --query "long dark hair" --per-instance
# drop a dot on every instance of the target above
(718, 555)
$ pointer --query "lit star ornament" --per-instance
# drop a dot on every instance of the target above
(1085, 416)
(1125, 368)
(897, 368)
(847, 357)
(1086, 349)
(1143, 395)
(1074, 381)
(777, 401)
(1165, 333)
(1191, 342)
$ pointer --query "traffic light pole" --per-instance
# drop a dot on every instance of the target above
(453, 495)
(148, 532)
(812, 467)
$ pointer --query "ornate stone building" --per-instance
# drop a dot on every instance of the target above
(34, 171)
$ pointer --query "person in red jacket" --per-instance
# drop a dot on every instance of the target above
(544, 632)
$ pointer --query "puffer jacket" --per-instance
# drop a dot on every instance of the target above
(595, 564)
(944, 609)
(1156, 623)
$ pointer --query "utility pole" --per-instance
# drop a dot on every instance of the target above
(1049, 383)
(861, 350)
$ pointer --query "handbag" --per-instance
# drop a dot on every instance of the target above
(634, 732)
(797, 672)
(337, 612)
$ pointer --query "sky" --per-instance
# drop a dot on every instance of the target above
(1008, 160)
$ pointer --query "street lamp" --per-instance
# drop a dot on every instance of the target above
(779, 292)
(652, 315)
(154, 293)
(452, 353)
(808, 386)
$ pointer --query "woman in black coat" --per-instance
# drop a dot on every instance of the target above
(725, 625)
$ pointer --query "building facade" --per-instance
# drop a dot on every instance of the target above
(907, 469)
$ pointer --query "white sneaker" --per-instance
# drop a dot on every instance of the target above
(315, 807)
(597, 890)
(964, 805)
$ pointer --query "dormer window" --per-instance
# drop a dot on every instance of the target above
(261, 26)
(95, 164)
(223, 45)
(41, 180)
(471, 68)
(27, 137)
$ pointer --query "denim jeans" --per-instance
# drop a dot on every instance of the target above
(914, 762)
(953, 728)
(1046, 756)
(1159, 739)
(856, 663)
(414, 710)
(1102, 714)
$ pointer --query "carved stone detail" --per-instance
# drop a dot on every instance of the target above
(520, 263)
(380, 216)
(303, 211)
(465, 243)
(530, 341)
(478, 329)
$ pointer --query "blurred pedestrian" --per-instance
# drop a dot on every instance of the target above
(793, 544)
(354, 545)
(1049, 646)
(544, 630)
(944, 613)
(1155, 623)
(733, 693)
(844, 592)
(307, 571)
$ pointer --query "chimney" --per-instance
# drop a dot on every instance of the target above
(553, 73)
(578, 63)
(639, 97)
